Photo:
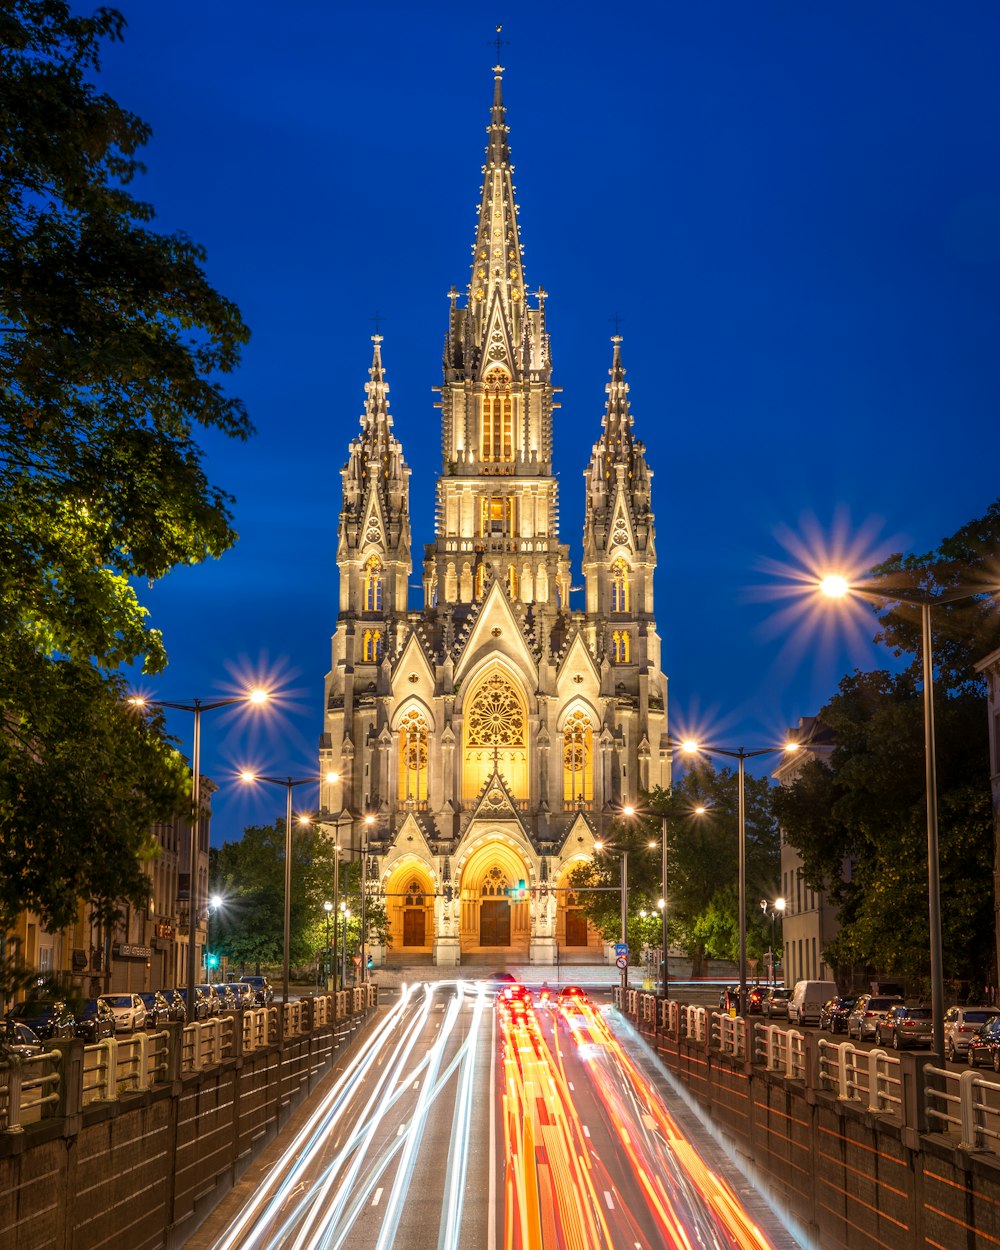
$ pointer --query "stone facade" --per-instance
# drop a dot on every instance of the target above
(810, 920)
(492, 733)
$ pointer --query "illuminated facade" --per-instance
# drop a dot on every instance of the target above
(492, 733)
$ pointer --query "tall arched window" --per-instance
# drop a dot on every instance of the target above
(495, 729)
(372, 585)
(497, 440)
(620, 647)
(578, 746)
(480, 580)
(371, 646)
(413, 756)
(512, 581)
(620, 598)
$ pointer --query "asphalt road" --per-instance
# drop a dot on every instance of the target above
(455, 1123)
(392, 1152)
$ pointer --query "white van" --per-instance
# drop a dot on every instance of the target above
(807, 1000)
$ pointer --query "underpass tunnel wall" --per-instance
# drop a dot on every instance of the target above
(145, 1169)
(854, 1179)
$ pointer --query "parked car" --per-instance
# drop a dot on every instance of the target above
(263, 992)
(959, 1025)
(984, 1045)
(18, 1039)
(48, 1018)
(130, 1013)
(157, 1008)
(867, 1012)
(211, 998)
(229, 999)
(775, 1002)
(243, 994)
(835, 1012)
(202, 1005)
(177, 1005)
(806, 1002)
(94, 1019)
(905, 1026)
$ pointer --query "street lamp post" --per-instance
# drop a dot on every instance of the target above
(289, 783)
(836, 587)
(772, 911)
(322, 820)
(369, 821)
(196, 706)
(690, 747)
(214, 903)
(345, 911)
(327, 907)
(600, 846)
(664, 902)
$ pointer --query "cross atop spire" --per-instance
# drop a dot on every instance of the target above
(501, 43)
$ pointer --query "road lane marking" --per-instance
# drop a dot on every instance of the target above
(609, 1200)
(491, 1231)
(401, 1130)
(416, 1084)
(586, 1131)
(572, 1086)
(378, 1194)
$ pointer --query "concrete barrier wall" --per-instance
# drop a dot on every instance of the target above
(143, 1170)
(856, 1180)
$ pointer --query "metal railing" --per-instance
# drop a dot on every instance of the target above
(968, 1104)
(780, 1050)
(869, 1077)
(115, 1066)
(962, 1105)
(30, 1090)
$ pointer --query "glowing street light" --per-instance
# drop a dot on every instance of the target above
(691, 747)
(835, 586)
(776, 908)
(662, 905)
(255, 697)
(289, 783)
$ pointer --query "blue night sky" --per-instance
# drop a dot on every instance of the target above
(794, 209)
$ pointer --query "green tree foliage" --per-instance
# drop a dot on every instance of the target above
(963, 631)
(249, 875)
(112, 344)
(859, 823)
(702, 868)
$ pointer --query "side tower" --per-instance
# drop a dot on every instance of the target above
(619, 558)
(374, 563)
(497, 498)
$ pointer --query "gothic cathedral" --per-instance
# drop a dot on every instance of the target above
(492, 734)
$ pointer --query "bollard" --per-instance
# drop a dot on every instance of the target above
(14, 1124)
(142, 1075)
(967, 1110)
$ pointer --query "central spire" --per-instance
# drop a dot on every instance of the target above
(497, 262)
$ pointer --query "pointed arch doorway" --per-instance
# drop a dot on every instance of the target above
(495, 924)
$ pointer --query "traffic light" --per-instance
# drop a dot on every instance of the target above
(211, 961)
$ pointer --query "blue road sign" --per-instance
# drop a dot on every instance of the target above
(621, 948)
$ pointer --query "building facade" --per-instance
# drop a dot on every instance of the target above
(491, 734)
(810, 920)
(146, 947)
